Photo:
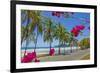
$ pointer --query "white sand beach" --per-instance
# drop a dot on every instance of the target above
(76, 54)
(46, 50)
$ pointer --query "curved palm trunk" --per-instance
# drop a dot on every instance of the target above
(64, 48)
(50, 37)
(27, 40)
(50, 42)
(22, 41)
(71, 47)
(36, 40)
(59, 48)
(77, 46)
(50, 45)
(26, 47)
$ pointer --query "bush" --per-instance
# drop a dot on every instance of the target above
(84, 43)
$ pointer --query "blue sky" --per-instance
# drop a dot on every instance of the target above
(68, 23)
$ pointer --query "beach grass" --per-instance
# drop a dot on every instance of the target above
(42, 55)
(87, 57)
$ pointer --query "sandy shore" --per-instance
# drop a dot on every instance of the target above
(43, 52)
(77, 55)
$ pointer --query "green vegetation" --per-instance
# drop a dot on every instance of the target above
(61, 34)
(48, 32)
(27, 31)
(87, 57)
(85, 43)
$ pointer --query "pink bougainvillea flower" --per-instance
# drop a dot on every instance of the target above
(52, 52)
(76, 34)
(29, 57)
(82, 27)
(57, 13)
(36, 60)
(24, 59)
(77, 29)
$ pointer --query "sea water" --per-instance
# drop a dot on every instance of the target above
(46, 50)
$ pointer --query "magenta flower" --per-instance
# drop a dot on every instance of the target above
(82, 27)
(29, 57)
(57, 13)
(52, 52)
(77, 29)
(36, 60)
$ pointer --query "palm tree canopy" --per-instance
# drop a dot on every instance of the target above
(60, 31)
(48, 31)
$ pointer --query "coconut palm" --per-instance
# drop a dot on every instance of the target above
(25, 25)
(36, 25)
(49, 32)
(60, 34)
(29, 20)
(30, 36)
(65, 39)
(25, 29)
(23, 32)
(72, 41)
(27, 35)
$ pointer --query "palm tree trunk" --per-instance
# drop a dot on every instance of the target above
(21, 41)
(50, 41)
(36, 40)
(59, 48)
(50, 44)
(50, 37)
(64, 48)
(27, 40)
(26, 47)
(71, 47)
(26, 43)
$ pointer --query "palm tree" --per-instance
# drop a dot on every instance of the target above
(32, 20)
(49, 32)
(29, 37)
(60, 34)
(25, 28)
(36, 24)
(26, 36)
(65, 40)
(72, 41)
(23, 32)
